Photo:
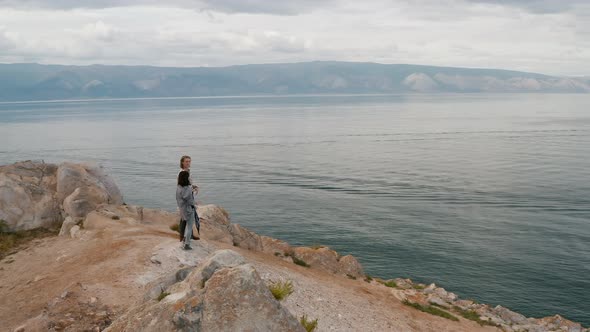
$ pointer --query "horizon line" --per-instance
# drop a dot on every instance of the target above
(285, 63)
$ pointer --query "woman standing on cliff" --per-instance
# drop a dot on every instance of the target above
(186, 206)
(185, 165)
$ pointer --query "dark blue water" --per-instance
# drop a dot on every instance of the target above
(486, 195)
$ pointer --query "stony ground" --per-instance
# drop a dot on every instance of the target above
(86, 282)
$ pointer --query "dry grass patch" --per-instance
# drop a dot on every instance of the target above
(11, 242)
(281, 289)
(308, 325)
(431, 310)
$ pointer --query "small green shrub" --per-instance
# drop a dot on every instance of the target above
(308, 325)
(300, 262)
(389, 283)
(3, 226)
(440, 306)
(281, 289)
(174, 227)
(368, 278)
(418, 286)
(162, 295)
(295, 259)
(474, 316)
(431, 310)
(350, 276)
(277, 253)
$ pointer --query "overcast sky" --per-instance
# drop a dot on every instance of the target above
(546, 36)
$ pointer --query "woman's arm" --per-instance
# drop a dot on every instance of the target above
(187, 195)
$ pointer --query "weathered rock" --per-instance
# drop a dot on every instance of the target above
(71, 176)
(328, 260)
(27, 196)
(84, 187)
(322, 258)
(219, 259)
(273, 246)
(429, 289)
(558, 323)
(158, 286)
(75, 232)
(464, 304)
(437, 300)
(254, 307)
(404, 283)
(349, 265)
(509, 316)
(444, 295)
(243, 238)
(107, 182)
(222, 294)
(215, 225)
(66, 226)
(36, 194)
(83, 200)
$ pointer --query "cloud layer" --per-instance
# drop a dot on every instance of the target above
(531, 35)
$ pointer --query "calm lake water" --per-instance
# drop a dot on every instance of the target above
(486, 195)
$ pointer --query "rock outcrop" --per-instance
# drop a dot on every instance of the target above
(224, 293)
(28, 195)
(503, 318)
(328, 260)
(216, 226)
(37, 194)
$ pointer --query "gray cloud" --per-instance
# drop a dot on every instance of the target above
(538, 6)
(6, 42)
(277, 7)
(282, 7)
(466, 33)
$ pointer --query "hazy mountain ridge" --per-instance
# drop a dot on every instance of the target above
(45, 82)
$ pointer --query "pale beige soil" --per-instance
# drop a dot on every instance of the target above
(114, 265)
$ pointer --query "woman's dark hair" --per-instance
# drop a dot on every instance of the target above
(183, 179)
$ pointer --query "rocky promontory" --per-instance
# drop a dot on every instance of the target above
(118, 267)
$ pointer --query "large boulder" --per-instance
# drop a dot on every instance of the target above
(82, 188)
(222, 294)
(509, 316)
(274, 246)
(83, 200)
(27, 195)
(215, 225)
(350, 266)
(244, 238)
(37, 194)
(328, 260)
(250, 302)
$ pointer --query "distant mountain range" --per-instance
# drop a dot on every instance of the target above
(48, 82)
